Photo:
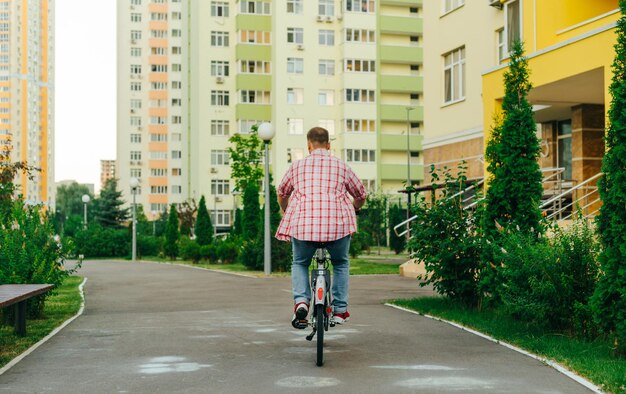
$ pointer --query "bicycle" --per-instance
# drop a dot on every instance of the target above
(321, 313)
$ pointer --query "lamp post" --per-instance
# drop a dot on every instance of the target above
(154, 223)
(236, 193)
(266, 132)
(86, 200)
(134, 183)
(409, 185)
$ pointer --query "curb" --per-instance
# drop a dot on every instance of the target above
(551, 363)
(53, 333)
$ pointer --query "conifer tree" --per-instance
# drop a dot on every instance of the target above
(396, 215)
(110, 213)
(609, 300)
(515, 188)
(172, 234)
(204, 228)
(251, 223)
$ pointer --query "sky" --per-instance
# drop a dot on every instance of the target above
(85, 82)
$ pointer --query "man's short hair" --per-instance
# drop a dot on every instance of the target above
(318, 135)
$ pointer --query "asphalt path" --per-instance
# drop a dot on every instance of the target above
(158, 328)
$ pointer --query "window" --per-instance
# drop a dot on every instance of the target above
(326, 67)
(220, 187)
(294, 154)
(513, 24)
(326, 7)
(255, 37)
(135, 69)
(245, 126)
(177, 189)
(360, 126)
(158, 189)
(157, 120)
(176, 84)
(177, 172)
(135, 86)
(176, 154)
(177, 119)
(219, 157)
(500, 41)
(158, 137)
(158, 172)
(327, 37)
(360, 96)
(254, 67)
(295, 126)
(135, 172)
(360, 35)
(158, 207)
(135, 138)
(177, 33)
(158, 16)
(295, 35)
(370, 185)
(328, 124)
(135, 2)
(135, 52)
(158, 68)
(361, 6)
(255, 97)
(219, 38)
(135, 35)
(449, 5)
(135, 155)
(295, 65)
(176, 51)
(177, 137)
(326, 97)
(158, 85)
(255, 7)
(219, 97)
(295, 96)
(176, 67)
(219, 68)
(159, 51)
(220, 217)
(158, 33)
(220, 127)
(360, 155)
(135, 121)
(454, 75)
(219, 8)
(358, 65)
(176, 102)
(176, 16)
(294, 6)
(135, 103)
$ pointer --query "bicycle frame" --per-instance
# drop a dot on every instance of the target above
(322, 302)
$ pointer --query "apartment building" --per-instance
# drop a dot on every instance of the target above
(191, 74)
(107, 171)
(27, 92)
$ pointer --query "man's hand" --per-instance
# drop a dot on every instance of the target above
(283, 202)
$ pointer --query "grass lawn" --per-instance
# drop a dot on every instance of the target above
(592, 360)
(58, 308)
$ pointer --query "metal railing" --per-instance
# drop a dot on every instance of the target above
(587, 190)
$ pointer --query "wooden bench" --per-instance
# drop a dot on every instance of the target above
(19, 294)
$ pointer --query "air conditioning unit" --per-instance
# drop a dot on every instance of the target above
(139, 128)
(320, 18)
(218, 199)
(139, 163)
(329, 19)
(132, 111)
(213, 170)
(219, 80)
(133, 41)
(496, 3)
(300, 47)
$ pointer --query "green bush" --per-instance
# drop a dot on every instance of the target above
(251, 255)
(189, 249)
(209, 252)
(148, 245)
(97, 241)
(281, 256)
(227, 250)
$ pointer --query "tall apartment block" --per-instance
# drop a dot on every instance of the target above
(193, 73)
(107, 171)
(27, 92)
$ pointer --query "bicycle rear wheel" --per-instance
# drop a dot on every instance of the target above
(319, 325)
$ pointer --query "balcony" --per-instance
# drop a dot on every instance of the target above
(398, 142)
(398, 172)
(401, 25)
(403, 55)
(254, 52)
(254, 111)
(401, 83)
(253, 22)
(397, 113)
(407, 3)
(254, 82)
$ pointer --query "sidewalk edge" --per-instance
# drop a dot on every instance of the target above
(50, 335)
(570, 374)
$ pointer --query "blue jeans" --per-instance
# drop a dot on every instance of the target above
(303, 252)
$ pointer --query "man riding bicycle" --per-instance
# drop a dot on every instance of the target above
(315, 195)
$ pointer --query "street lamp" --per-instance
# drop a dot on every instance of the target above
(154, 223)
(409, 185)
(134, 183)
(85, 199)
(266, 133)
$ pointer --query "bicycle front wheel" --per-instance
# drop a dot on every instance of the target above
(319, 325)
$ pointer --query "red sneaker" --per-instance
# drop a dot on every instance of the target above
(300, 313)
(340, 318)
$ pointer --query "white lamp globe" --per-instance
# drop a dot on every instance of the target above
(134, 182)
(266, 131)
(86, 198)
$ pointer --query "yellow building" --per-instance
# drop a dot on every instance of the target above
(27, 92)
(569, 46)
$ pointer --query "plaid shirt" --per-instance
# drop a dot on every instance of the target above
(320, 208)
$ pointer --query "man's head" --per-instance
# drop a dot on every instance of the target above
(317, 138)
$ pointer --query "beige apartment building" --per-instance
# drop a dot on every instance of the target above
(107, 171)
(193, 73)
(27, 93)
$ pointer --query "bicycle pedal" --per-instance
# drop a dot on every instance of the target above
(300, 324)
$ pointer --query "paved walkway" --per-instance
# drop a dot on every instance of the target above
(154, 328)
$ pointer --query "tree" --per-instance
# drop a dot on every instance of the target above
(251, 223)
(373, 218)
(515, 188)
(69, 199)
(609, 299)
(396, 215)
(281, 251)
(109, 212)
(237, 229)
(186, 216)
(172, 234)
(246, 156)
(204, 228)
(8, 171)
